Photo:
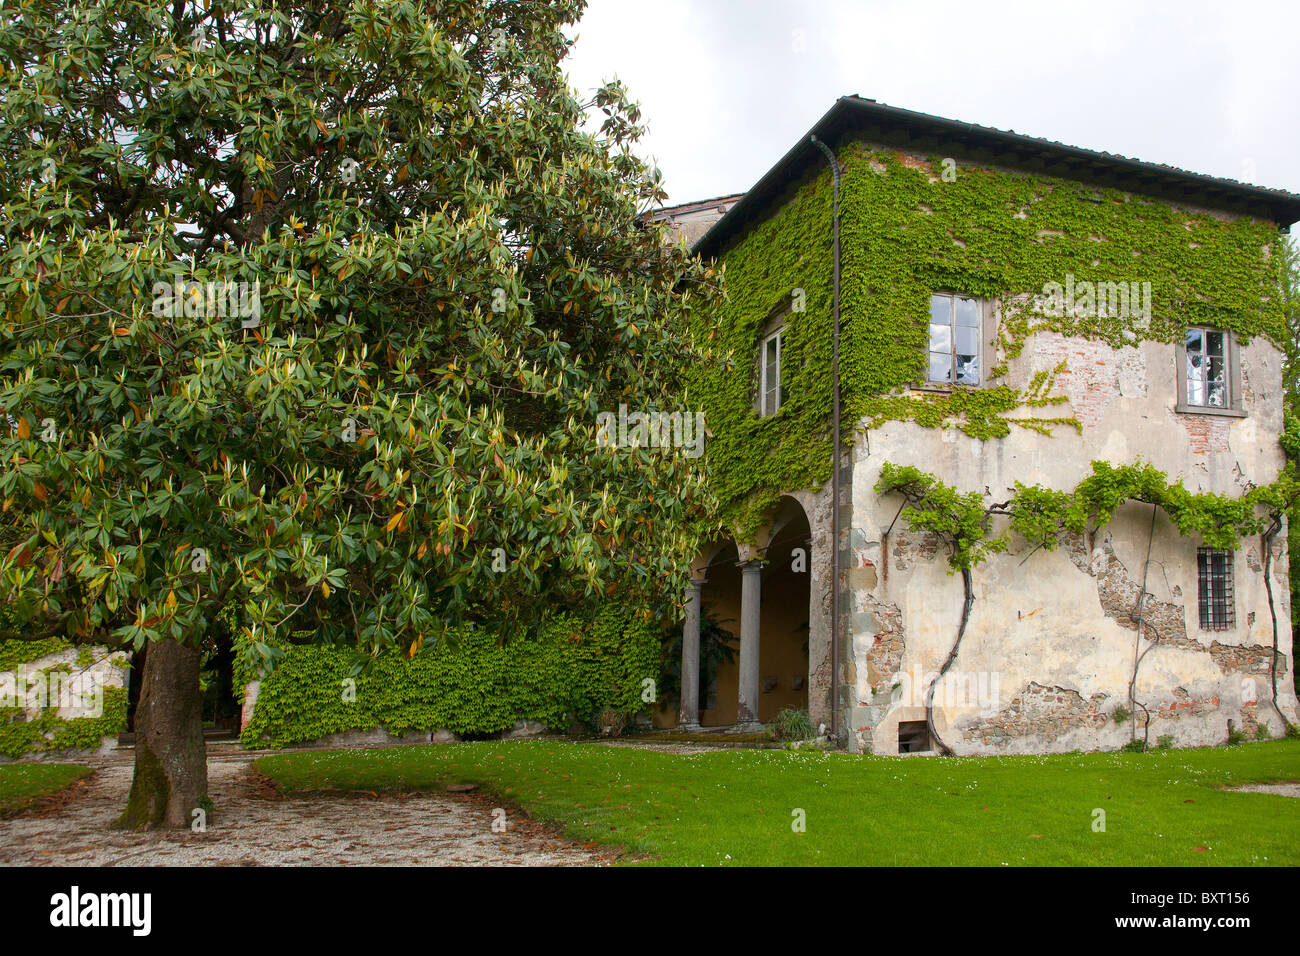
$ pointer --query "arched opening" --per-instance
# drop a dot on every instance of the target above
(784, 616)
(720, 640)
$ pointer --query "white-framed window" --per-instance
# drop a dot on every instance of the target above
(956, 339)
(769, 383)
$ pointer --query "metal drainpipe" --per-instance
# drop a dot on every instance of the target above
(835, 454)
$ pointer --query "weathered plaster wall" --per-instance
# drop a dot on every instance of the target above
(1049, 650)
(76, 693)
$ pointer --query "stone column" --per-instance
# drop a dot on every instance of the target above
(689, 717)
(750, 615)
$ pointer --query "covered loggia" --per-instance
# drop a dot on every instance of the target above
(756, 598)
(784, 614)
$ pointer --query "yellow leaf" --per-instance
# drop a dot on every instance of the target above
(393, 521)
(24, 430)
(171, 600)
(319, 125)
(325, 588)
(39, 491)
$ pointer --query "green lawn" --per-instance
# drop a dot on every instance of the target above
(736, 807)
(22, 784)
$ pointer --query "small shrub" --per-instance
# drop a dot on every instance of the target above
(1293, 730)
(612, 723)
(1262, 732)
(1134, 747)
(793, 725)
(1165, 741)
(1235, 736)
(1120, 715)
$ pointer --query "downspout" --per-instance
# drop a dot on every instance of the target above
(835, 450)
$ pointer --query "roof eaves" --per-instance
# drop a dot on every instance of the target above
(1280, 206)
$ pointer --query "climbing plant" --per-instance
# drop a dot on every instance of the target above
(966, 524)
(473, 683)
(1039, 514)
(994, 234)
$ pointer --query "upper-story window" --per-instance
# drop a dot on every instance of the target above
(769, 374)
(1207, 368)
(955, 339)
(1209, 380)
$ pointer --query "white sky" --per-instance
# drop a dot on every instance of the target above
(725, 89)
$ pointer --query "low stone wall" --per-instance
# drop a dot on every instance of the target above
(67, 703)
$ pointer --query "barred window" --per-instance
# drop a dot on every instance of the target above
(1214, 587)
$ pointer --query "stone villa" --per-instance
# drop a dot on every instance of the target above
(984, 269)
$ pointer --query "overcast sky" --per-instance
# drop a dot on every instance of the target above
(727, 86)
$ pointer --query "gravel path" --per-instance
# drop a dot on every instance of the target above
(1281, 789)
(256, 826)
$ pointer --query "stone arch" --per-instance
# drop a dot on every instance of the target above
(781, 637)
(711, 638)
(785, 611)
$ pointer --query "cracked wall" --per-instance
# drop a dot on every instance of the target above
(1056, 628)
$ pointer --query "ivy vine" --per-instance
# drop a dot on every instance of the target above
(993, 234)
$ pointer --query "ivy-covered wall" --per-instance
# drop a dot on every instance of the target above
(477, 685)
(1050, 636)
(991, 233)
(26, 730)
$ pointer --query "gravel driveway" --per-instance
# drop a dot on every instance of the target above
(256, 826)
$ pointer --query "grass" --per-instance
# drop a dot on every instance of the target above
(732, 807)
(22, 784)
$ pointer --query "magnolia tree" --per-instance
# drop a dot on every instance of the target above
(313, 313)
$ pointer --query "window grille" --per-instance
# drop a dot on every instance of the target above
(1214, 586)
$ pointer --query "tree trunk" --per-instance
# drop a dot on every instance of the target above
(171, 769)
(968, 589)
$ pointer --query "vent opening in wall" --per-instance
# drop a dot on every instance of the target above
(913, 737)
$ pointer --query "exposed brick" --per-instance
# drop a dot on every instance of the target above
(1039, 711)
(886, 653)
